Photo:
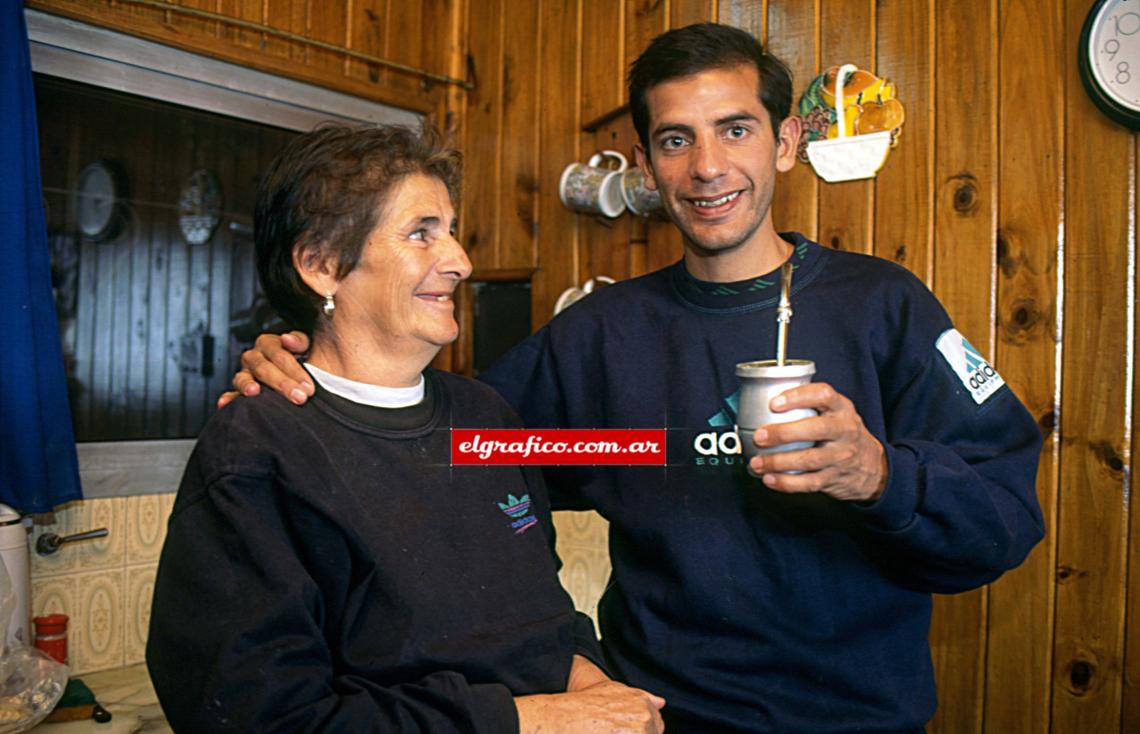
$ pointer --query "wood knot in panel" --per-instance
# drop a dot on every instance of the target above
(964, 196)
(1080, 677)
(1068, 573)
(1107, 454)
(1020, 318)
(1007, 263)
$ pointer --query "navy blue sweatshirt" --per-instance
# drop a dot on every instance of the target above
(751, 610)
(327, 570)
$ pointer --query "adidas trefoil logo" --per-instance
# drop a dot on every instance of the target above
(518, 509)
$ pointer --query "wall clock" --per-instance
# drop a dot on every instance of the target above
(1108, 58)
(99, 201)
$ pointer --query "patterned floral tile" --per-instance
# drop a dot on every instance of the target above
(136, 611)
(54, 595)
(146, 517)
(108, 552)
(98, 625)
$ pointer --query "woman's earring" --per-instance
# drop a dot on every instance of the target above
(329, 306)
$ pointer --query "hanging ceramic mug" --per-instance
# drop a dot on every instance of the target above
(639, 198)
(573, 295)
(593, 188)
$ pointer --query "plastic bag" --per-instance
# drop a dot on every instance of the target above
(31, 683)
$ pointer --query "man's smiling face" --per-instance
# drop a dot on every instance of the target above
(713, 156)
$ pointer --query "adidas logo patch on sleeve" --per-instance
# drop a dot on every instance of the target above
(972, 369)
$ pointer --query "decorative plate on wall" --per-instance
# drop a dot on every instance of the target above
(99, 201)
(200, 207)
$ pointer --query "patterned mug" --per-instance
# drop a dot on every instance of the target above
(590, 188)
(639, 198)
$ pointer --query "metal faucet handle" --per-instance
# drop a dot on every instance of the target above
(49, 543)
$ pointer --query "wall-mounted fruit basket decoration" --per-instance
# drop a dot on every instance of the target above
(871, 116)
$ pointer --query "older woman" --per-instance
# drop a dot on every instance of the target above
(325, 568)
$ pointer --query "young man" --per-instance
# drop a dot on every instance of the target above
(799, 601)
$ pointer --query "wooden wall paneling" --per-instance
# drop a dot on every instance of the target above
(483, 134)
(638, 250)
(964, 216)
(644, 20)
(100, 140)
(605, 241)
(119, 355)
(412, 40)
(1019, 656)
(369, 32)
(405, 34)
(217, 317)
(290, 16)
(140, 177)
(558, 124)
(84, 404)
(129, 8)
(904, 188)
(158, 274)
(60, 170)
(687, 12)
(177, 283)
(1099, 235)
(327, 22)
(190, 25)
(664, 243)
(236, 144)
(603, 60)
(793, 36)
(443, 49)
(100, 386)
(249, 10)
(277, 56)
(747, 14)
(204, 155)
(1130, 714)
(847, 36)
(518, 204)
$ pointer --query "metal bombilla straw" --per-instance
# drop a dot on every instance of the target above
(784, 312)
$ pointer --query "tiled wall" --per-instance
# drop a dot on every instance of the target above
(104, 585)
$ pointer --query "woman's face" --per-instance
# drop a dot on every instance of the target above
(400, 293)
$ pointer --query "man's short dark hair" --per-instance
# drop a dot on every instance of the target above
(692, 49)
(323, 194)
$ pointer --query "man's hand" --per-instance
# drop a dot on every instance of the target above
(847, 462)
(607, 707)
(273, 362)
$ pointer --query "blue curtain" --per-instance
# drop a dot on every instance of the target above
(38, 465)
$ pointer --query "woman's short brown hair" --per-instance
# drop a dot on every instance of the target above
(323, 192)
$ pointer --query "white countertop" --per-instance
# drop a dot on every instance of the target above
(128, 694)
